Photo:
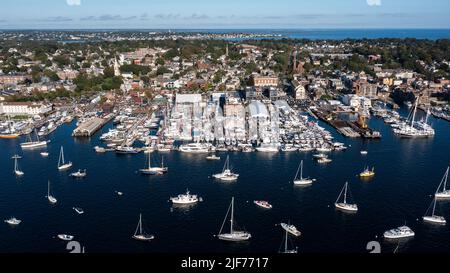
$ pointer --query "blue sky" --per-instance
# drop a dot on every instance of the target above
(33, 14)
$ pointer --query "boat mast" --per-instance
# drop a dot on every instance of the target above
(434, 207)
(301, 170)
(48, 189)
(140, 223)
(232, 214)
(345, 193)
(298, 170)
(286, 243)
(414, 113)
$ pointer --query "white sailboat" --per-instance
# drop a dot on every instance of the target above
(33, 144)
(300, 180)
(226, 174)
(444, 193)
(17, 171)
(62, 165)
(234, 235)
(139, 234)
(286, 249)
(433, 218)
(50, 198)
(13, 221)
(344, 205)
(154, 170)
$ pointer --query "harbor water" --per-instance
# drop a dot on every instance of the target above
(408, 172)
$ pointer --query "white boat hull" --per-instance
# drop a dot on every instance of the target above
(143, 238)
(65, 167)
(235, 236)
(434, 220)
(33, 145)
(303, 182)
(346, 207)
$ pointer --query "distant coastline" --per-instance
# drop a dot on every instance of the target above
(311, 34)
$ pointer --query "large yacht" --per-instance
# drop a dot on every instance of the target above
(399, 233)
(195, 148)
(184, 199)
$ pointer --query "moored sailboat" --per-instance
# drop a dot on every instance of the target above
(443, 193)
(139, 234)
(62, 165)
(433, 218)
(233, 235)
(300, 180)
(344, 205)
(226, 174)
(17, 171)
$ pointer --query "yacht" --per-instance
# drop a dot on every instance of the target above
(79, 174)
(213, 157)
(194, 148)
(126, 150)
(17, 171)
(321, 155)
(364, 152)
(324, 160)
(233, 235)
(268, 148)
(291, 229)
(44, 154)
(13, 221)
(226, 174)
(263, 204)
(323, 150)
(65, 237)
(399, 233)
(289, 148)
(154, 170)
(367, 173)
(33, 144)
(185, 199)
(78, 210)
(300, 180)
(50, 198)
(344, 205)
(139, 234)
(62, 165)
(99, 149)
(433, 218)
(442, 192)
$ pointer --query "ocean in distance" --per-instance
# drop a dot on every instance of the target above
(407, 174)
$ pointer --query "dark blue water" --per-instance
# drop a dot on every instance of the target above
(407, 173)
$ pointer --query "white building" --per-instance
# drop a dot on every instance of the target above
(356, 101)
(24, 108)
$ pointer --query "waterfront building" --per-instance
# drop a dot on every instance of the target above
(24, 108)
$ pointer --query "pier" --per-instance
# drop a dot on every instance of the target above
(89, 127)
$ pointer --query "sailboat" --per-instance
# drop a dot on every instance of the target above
(234, 235)
(16, 166)
(139, 234)
(444, 193)
(50, 198)
(33, 144)
(286, 249)
(62, 165)
(433, 218)
(226, 174)
(300, 180)
(344, 205)
(154, 170)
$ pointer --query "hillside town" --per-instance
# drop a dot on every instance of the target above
(210, 81)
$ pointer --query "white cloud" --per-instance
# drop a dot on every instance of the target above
(374, 2)
(73, 2)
